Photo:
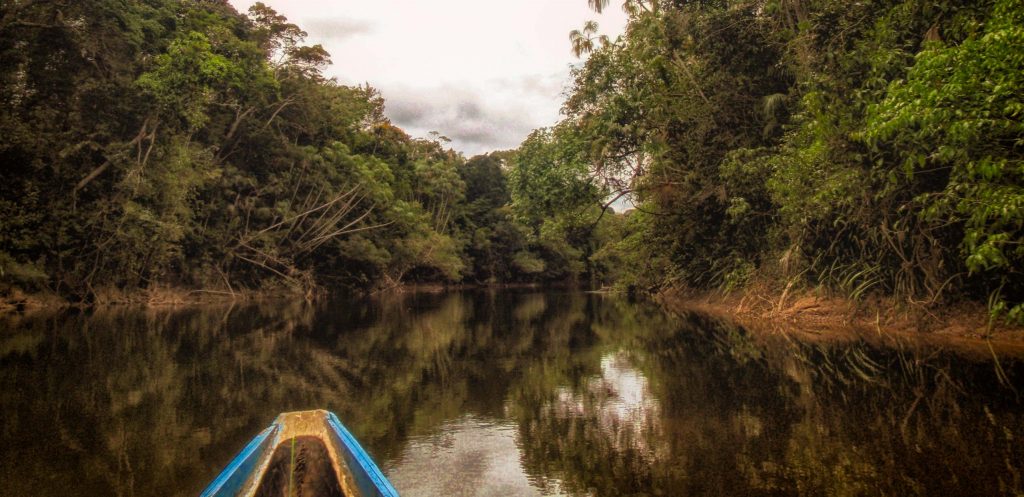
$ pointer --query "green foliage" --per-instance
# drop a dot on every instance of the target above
(185, 79)
(179, 142)
(555, 197)
(960, 110)
(23, 275)
(868, 147)
(550, 175)
(528, 263)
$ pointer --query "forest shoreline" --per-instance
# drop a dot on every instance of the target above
(17, 300)
(807, 316)
(216, 152)
(962, 326)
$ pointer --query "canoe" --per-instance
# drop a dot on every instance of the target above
(304, 453)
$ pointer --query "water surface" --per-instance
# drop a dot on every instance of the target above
(499, 393)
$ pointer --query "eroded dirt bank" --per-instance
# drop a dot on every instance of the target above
(965, 327)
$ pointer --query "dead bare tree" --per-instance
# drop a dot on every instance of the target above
(279, 247)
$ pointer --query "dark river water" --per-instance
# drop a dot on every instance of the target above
(500, 393)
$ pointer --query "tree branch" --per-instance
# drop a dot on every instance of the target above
(604, 208)
(103, 167)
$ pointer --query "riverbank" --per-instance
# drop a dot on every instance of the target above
(454, 287)
(816, 317)
(16, 300)
(13, 299)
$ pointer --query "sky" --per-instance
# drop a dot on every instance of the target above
(483, 73)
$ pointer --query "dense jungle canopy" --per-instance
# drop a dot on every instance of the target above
(871, 147)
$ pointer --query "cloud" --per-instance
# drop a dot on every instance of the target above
(469, 110)
(482, 75)
(543, 84)
(336, 28)
(475, 120)
(406, 111)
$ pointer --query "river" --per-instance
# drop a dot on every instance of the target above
(500, 393)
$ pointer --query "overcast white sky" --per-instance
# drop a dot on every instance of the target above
(482, 72)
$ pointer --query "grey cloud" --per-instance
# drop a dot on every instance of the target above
(460, 114)
(335, 29)
(551, 84)
(544, 85)
(406, 112)
(470, 110)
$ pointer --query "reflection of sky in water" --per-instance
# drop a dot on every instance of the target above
(629, 395)
(477, 458)
(619, 398)
(482, 458)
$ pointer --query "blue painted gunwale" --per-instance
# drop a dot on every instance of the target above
(369, 479)
(229, 482)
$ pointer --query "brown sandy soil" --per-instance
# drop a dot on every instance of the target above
(816, 318)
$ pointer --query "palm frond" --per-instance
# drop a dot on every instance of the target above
(597, 5)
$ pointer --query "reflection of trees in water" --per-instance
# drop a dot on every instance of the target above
(609, 397)
(120, 402)
(746, 416)
(604, 431)
(130, 402)
(577, 431)
(899, 421)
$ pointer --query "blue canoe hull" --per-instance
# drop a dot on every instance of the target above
(356, 472)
